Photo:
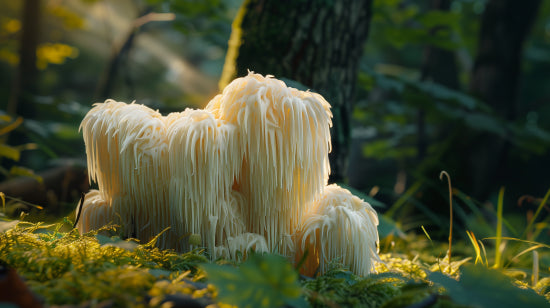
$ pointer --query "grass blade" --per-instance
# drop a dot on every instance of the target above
(427, 235)
(409, 193)
(532, 248)
(519, 240)
(476, 246)
(444, 173)
(498, 252)
(530, 225)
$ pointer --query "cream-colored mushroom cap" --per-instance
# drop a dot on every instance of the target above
(339, 227)
(284, 136)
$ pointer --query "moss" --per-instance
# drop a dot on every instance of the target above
(66, 268)
(92, 269)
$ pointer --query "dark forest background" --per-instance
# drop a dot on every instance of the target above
(417, 87)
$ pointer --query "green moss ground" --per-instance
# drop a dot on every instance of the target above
(96, 270)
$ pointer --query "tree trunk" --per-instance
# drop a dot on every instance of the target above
(317, 43)
(505, 25)
(24, 85)
(438, 65)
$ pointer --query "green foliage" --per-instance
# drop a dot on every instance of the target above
(498, 239)
(528, 230)
(261, 281)
(339, 287)
(399, 25)
(482, 287)
(8, 124)
(499, 228)
(406, 120)
(396, 135)
(208, 20)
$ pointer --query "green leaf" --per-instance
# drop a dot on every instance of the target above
(384, 149)
(389, 83)
(262, 281)
(442, 92)
(486, 123)
(9, 152)
(21, 171)
(438, 18)
(482, 287)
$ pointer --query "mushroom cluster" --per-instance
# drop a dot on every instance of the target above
(248, 172)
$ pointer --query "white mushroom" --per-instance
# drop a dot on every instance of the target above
(249, 172)
(285, 138)
(338, 226)
(126, 148)
(95, 212)
(204, 160)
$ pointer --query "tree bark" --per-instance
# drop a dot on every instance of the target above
(24, 84)
(505, 26)
(317, 43)
(438, 65)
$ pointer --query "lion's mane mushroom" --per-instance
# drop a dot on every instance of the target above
(127, 151)
(247, 172)
(338, 226)
(96, 212)
(204, 158)
(284, 137)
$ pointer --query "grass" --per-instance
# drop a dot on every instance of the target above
(498, 250)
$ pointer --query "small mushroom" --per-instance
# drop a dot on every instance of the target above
(338, 226)
(95, 213)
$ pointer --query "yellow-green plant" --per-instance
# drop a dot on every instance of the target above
(8, 124)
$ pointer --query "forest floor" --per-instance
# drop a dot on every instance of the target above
(60, 267)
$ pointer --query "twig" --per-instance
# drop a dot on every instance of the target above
(142, 20)
(79, 209)
(444, 173)
(24, 202)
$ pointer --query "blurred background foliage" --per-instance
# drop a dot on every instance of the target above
(411, 119)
